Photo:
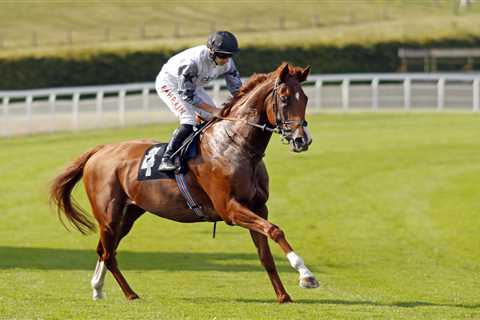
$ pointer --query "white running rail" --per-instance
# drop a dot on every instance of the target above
(75, 108)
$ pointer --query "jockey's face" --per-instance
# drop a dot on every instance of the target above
(221, 59)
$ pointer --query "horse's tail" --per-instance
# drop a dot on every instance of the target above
(61, 190)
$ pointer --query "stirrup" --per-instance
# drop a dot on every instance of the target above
(167, 165)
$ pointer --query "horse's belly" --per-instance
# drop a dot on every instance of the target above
(173, 206)
(187, 216)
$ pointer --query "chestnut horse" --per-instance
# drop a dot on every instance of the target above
(227, 178)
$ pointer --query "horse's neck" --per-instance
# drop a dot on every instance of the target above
(248, 138)
(252, 112)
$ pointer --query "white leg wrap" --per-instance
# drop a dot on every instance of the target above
(98, 280)
(297, 263)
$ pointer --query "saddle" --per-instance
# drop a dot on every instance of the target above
(148, 169)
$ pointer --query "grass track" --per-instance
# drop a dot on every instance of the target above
(384, 208)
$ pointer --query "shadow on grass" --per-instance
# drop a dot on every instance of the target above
(401, 304)
(405, 304)
(64, 259)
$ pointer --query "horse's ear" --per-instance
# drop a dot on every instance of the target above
(282, 71)
(304, 74)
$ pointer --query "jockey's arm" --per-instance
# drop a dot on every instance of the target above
(233, 80)
(206, 107)
(187, 89)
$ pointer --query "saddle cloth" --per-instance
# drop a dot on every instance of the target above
(148, 169)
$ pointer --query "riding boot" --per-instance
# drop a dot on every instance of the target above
(178, 136)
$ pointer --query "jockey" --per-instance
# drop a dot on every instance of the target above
(180, 85)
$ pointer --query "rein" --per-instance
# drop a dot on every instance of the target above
(281, 123)
(256, 125)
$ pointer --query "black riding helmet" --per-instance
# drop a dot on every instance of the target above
(222, 42)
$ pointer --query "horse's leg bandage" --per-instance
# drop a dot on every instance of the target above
(297, 263)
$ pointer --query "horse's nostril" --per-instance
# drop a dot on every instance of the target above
(298, 141)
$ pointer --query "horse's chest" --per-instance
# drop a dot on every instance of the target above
(244, 184)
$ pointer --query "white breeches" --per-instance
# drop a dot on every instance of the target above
(183, 110)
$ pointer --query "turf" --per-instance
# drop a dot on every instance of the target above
(384, 209)
(30, 28)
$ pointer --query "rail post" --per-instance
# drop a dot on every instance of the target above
(51, 104)
(346, 94)
(99, 109)
(476, 95)
(6, 128)
(121, 107)
(29, 103)
(375, 94)
(76, 101)
(407, 90)
(440, 94)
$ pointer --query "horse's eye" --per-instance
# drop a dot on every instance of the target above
(284, 98)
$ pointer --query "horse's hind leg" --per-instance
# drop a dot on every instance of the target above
(99, 275)
(109, 203)
(109, 235)
(131, 214)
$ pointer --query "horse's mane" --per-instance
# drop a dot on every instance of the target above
(247, 87)
(252, 82)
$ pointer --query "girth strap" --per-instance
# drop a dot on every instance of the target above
(195, 207)
(179, 177)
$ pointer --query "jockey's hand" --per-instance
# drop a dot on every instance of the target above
(213, 110)
(217, 113)
(206, 107)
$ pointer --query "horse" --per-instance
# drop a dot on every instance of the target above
(227, 177)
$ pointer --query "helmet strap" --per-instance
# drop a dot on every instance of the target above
(212, 55)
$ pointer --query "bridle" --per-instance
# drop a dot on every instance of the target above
(283, 126)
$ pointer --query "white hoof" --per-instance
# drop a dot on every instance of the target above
(98, 295)
(309, 282)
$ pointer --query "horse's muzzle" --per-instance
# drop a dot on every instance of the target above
(300, 140)
(299, 144)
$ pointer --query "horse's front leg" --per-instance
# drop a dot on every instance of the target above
(261, 242)
(242, 216)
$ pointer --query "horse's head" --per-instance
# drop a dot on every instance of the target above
(286, 109)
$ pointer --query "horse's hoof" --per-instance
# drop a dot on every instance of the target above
(285, 299)
(133, 297)
(309, 283)
(98, 295)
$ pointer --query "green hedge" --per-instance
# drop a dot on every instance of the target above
(125, 67)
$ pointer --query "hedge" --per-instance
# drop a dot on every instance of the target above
(126, 67)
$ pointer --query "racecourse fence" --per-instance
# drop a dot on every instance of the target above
(77, 108)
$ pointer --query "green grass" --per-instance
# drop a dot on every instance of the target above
(384, 208)
(30, 28)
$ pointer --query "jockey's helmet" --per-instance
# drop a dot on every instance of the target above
(223, 42)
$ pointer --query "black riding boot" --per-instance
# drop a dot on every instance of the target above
(176, 141)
